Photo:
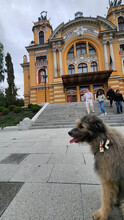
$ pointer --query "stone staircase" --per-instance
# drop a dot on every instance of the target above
(64, 115)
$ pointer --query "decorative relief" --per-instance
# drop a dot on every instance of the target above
(80, 31)
(82, 58)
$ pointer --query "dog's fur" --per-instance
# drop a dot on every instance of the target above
(109, 165)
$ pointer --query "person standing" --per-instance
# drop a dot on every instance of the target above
(100, 99)
(88, 100)
(118, 98)
(110, 95)
(100, 90)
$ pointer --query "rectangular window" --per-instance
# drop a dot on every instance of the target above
(41, 58)
(121, 47)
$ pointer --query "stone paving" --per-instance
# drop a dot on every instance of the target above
(43, 177)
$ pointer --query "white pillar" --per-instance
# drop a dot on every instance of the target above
(105, 55)
(111, 53)
(60, 62)
(55, 63)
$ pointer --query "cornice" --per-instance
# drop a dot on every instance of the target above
(24, 64)
(37, 47)
(105, 22)
(26, 95)
(97, 22)
(56, 40)
(42, 25)
(119, 34)
(39, 87)
(107, 32)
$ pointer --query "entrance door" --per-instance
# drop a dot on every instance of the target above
(71, 98)
(74, 98)
(71, 94)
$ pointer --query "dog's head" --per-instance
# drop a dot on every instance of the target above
(87, 129)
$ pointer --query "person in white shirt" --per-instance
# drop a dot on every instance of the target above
(89, 102)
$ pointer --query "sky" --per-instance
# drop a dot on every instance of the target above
(16, 22)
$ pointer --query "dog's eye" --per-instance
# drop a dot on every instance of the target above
(81, 126)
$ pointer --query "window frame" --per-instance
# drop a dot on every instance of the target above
(81, 48)
(121, 24)
(93, 68)
(91, 49)
(71, 69)
(71, 52)
(41, 38)
(84, 66)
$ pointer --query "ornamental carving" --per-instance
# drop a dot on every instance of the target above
(80, 31)
(82, 58)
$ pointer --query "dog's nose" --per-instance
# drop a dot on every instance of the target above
(70, 133)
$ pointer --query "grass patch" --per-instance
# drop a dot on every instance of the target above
(12, 119)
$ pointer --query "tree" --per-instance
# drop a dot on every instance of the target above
(2, 98)
(1, 63)
(11, 91)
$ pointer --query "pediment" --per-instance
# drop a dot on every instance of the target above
(83, 24)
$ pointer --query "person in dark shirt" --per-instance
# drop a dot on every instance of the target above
(110, 95)
(118, 98)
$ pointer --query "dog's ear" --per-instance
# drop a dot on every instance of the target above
(96, 125)
(78, 121)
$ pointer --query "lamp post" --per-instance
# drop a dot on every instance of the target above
(45, 76)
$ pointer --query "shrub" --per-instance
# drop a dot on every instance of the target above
(35, 106)
(5, 111)
(25, 108)
(17, 109)
(1, 108)
(11, 107)
(35, 109)
(30, 105)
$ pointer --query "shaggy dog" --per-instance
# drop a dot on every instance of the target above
(107, 145)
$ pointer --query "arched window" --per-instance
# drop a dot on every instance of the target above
(41, 37)
(121, 23)
(94, 66)
(81, 48)
(91, 49)
(82, 68)
(41, 76)
(71, 52)
(71, 69)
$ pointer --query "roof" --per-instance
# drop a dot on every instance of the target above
(86, 78)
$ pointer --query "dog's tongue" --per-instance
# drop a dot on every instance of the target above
(74, 140)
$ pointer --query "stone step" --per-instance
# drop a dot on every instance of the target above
(64, 115)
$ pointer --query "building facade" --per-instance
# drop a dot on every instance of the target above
(86, 52)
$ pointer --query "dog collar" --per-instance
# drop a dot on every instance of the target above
(104, 145)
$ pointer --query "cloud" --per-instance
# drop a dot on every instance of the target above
(16, 22)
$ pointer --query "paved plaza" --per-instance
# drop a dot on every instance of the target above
(44, 177)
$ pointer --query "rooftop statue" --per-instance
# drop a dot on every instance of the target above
(43, 16)
(114, 3)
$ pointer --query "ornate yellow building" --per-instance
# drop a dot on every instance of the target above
(86, 52)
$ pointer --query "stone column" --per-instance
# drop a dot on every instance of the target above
(78, 93)
(55, 63)
(60, 62)
(111, 52)
(105, 54)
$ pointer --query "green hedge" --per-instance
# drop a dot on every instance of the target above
(17, 109)
(5, 111)
(30, 105)
(11, 107)
(35, 108)
(1, 108)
